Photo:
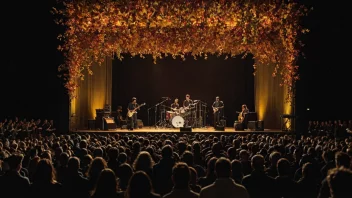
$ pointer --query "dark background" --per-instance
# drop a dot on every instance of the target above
(30, 86)
(232, 80)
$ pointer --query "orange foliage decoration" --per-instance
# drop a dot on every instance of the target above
(101, 28)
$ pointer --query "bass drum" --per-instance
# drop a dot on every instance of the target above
(178, 121)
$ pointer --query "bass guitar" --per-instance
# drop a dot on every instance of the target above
(131, 112)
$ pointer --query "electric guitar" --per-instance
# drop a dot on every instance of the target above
(216, 109)
(131, 112)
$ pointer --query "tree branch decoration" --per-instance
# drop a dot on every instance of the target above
(97, 29)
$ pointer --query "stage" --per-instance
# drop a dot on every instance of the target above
(207, 130)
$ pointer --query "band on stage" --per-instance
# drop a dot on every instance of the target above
(191, 113)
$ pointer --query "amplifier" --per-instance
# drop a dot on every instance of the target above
(260, 125)
(109, 123)
(252, 125)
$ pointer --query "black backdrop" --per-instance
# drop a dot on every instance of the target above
(231, 79)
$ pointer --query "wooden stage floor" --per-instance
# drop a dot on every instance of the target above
(174, 130)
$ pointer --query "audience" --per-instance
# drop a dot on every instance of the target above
(41, 163)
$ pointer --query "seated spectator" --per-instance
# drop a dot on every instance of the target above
(181, 179)
(106, 186)
(341, 160)
(12, 183)
(339, 182)
(257, 183)
(210, 176)
(193, 183)
(97, 165)
(272, 170)
(44, 182)
(224, 186)
(140, 186)
(75, 184)
(286, 187)
(237, 172)
(307, 186)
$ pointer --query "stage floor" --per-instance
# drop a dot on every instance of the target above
(173, 130)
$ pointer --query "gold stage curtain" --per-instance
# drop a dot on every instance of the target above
(93, 93)
(270, 97)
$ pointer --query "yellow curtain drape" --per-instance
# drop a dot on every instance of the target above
(270, 97)
(93, 93)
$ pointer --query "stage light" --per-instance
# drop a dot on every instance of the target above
(308, 109)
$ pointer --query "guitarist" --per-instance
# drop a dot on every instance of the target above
(218, 107)
(187, 104)
(133, 120)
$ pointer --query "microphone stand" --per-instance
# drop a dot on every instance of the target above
(155, 107)
(203, 104)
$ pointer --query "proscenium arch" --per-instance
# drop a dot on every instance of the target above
(99, 29)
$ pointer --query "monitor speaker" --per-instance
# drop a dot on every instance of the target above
(185, 129)
(260, 125)
(252, 125)
(219, 128)
(109, 124)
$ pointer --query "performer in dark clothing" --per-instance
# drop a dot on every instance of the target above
(244, 111)
(187, 106)
(131, 107)
(187, 102)
(175, 106)
(218, 107)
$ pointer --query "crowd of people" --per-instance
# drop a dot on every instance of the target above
(16, 128)
(175, 165)
(337, 128)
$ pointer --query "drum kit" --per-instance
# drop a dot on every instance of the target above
(191, 116)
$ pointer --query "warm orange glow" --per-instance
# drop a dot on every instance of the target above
(93, 93)
(270, 101)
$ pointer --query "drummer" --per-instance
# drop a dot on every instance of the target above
(175, 106)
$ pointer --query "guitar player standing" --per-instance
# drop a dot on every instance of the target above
(133, 120)
(218, 107)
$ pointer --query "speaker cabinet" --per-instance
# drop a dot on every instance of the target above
(260, 125)
(252, 125)
(219, 128)
(109, 123)
(238, 126)
(91, 124)
(185, 129)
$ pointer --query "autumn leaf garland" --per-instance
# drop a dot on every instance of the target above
(96, 29)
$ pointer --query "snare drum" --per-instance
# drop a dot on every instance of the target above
(170, 115)
(178, 121)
